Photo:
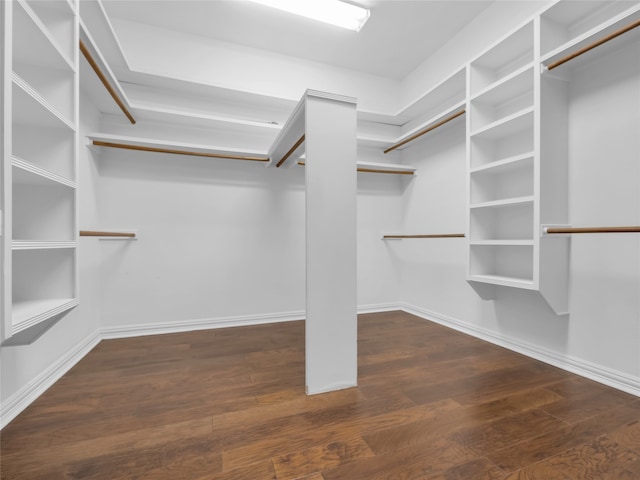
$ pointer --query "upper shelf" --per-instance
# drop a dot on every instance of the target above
(179, 148)
(33, 43)
(99, 65)
(570, 25)
(505, 57)
(30, 108)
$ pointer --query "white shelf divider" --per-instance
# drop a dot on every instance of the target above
(28, 314)
(39, 173)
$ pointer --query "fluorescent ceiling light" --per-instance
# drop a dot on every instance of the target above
(334, 12)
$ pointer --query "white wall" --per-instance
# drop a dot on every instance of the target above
(26, 367)
(220, 239)
(602, 332)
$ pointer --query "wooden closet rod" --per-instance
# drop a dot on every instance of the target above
(593, 45)
(435, 235)
(105, 82)
(372, 170)
(629, 229)
(291, 150)
(91, 233)
(126, 146)
(426, 130)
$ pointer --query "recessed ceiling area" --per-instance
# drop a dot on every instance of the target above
(398, 37)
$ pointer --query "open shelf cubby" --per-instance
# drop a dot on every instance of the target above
(504, 222)
(43, 209)
(502, 59)
(43, 281)
(502, 264)
(504, 99)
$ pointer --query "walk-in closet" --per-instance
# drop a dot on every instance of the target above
(242, 242)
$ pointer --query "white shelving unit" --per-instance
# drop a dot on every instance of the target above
(39, 240)
(569, 25)
(517, 147)
(502, 163)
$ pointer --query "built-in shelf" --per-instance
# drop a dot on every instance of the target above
(507, 126)
(443, 96)
(30, 108)
(503, 100)
(33, 43)
(567, 26)
(385, 167)
(503, 203)
(428, 126)
(502, 242)
(505, 165)
(505, 181)
(502, 59)
(39, 239)
(28, 173)
(57, 19)
(180, 148)
(504, 281)
(41, 245)
(29, 313)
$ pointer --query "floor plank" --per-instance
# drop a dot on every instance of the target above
(229, 404)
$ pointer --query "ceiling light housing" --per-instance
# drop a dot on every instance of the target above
(334, 12)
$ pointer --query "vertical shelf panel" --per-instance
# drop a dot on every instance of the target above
(40, 91)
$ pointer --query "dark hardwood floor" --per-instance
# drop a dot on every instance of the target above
(229, 404)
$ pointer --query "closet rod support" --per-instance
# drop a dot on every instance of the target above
(593, 45)
(291, 150)
(425, 131)
(105, 82)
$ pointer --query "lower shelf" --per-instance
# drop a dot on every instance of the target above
(504, 281)
(29, 313)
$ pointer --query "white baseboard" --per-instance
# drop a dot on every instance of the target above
(199, 324)
(379, 307)
(20, 400)
(613, 378)
(223, 322)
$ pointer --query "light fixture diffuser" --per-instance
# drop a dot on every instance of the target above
(334, 12)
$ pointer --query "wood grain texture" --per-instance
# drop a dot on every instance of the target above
(229, 404)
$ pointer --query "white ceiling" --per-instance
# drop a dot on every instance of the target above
(399, 35)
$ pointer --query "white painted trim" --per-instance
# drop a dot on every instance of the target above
(20, 400)
(607, 376)
(180, 326)
(199, 324)
(379, 307)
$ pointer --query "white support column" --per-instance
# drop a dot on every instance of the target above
(331, 320)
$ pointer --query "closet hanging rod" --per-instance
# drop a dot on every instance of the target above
(92, 233)
(565, 230)
(435, 235)
(126, 146)
(291, 150)
(425, 131)
(105, 82)
(593, 45)
(372, 170)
